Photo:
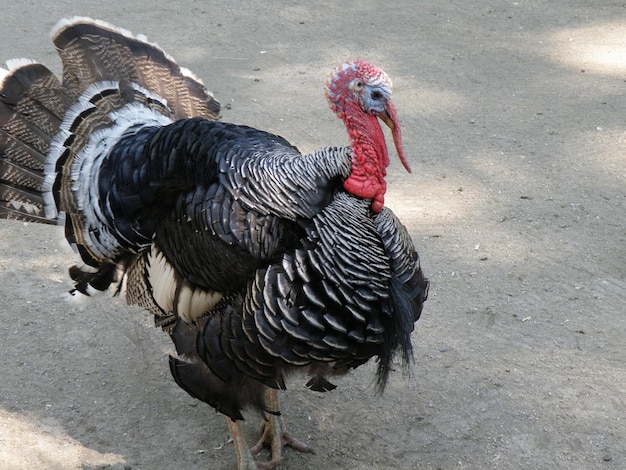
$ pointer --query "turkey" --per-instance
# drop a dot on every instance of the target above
(258, 261)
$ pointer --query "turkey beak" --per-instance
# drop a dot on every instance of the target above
(390, 117)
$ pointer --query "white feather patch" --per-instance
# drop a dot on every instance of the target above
(174, 294)
(79, 300)
(162, 278)
(56, 150)
(193, 303)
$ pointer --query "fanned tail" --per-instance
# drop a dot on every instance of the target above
(54, 134)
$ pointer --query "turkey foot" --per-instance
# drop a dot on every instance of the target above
(245, 461)
(275, 436)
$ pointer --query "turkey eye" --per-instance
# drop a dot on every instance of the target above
(376, 95)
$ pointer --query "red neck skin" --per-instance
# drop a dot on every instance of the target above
(369, 157)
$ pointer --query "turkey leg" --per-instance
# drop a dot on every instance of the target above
(275, 435)
(245, 461)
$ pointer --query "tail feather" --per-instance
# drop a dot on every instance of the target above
(25, 131)
(21, 198)
(120, 56)
(32, 104)
(25, 182)
(36, 93)
(88, 281)
(21, 181)
(21, 154)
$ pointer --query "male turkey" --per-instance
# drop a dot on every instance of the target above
(257, 260)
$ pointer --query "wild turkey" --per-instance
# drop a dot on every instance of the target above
(257, 260)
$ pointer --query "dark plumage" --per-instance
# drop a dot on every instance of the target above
(257, 260)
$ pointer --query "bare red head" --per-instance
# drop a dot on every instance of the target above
(360, 93)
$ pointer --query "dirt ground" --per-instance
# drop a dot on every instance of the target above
(513, 119)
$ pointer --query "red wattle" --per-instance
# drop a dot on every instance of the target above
(369, 155)
(367, 188)
(378, 203)
(362, 187)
